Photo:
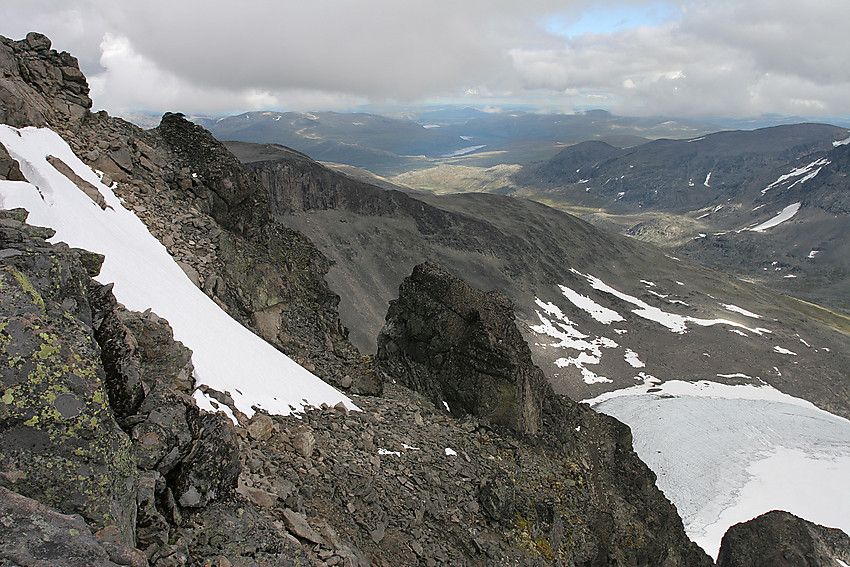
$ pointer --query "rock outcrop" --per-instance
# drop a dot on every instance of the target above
(40, 87)
(781, 539)
(33, 534)
(97, 421)
(59, 441)
(460, 346)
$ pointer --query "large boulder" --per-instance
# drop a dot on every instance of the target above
(460, 347)
(33, 534)
(781, 539)
(211, 470)
(59, 441)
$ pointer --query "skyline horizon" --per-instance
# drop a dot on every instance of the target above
(684, 58)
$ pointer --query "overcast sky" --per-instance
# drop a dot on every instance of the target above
(684, 58)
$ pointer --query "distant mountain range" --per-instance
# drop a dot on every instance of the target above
(673, 183)
(386, 145)
(708, 198)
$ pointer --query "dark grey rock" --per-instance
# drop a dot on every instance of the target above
(781, 539)
(211, 470)
(242, 535)
(59, 441)
(38, 41)
(40, 86)
(453, 343)
(9, 168)
(161, 358)
(118, 352)
(164, 429)
(33, 534)
(458, 345)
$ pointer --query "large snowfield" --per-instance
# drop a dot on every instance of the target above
(722, 454)
(226, 355)
(726, 454)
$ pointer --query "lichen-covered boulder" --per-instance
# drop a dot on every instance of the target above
(59, 441)
(33, 534)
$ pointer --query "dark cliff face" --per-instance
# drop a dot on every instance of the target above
(780, 539)
(459, 345)
(232, 197)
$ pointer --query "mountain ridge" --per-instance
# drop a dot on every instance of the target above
(704, 197)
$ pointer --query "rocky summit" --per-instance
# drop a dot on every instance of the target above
(458, 453)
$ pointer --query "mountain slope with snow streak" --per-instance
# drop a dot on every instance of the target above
(226, 356)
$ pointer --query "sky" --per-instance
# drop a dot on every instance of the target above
(683, 58)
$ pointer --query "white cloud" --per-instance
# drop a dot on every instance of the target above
(724, 57)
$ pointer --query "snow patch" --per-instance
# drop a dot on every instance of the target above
(553, 323)
(807, 171)
(672, 321)
(206, 402)
(226, 355)
(633, 359)
(736, 375)
(785, 214)
(740, 310)
(781, 350)
(598, 312)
